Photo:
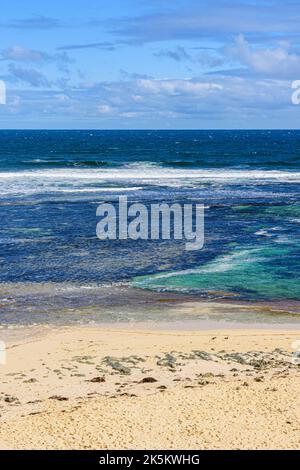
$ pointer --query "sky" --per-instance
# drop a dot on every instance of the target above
(131, 64)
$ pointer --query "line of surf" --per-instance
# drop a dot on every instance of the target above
(154, 174)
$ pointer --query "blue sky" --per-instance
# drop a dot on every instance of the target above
(149, 64)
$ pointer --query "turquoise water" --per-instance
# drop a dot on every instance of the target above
(257, 273)
(266, 269)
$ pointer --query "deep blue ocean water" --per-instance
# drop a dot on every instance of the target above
(51, 183)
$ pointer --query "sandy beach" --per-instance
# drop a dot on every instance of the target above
(96, 388)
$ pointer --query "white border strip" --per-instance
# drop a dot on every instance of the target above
(2, 92)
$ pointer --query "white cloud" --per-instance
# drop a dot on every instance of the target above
(105, 109)
(179, 54)
(29, 76)
(17, 54)
(20, 53)
(235, 101)
(186, 98)
(278, 61)
(177, 87)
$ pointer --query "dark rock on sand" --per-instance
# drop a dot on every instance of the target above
(148, 380)
(59, 398)
(97, 380)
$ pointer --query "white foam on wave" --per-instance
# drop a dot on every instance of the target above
(155, 173)
(221, 264)
(31, 186)
(98, 190)
(136, 177)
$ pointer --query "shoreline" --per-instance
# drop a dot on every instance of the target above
(90, 387)
(27, 305)
(20, 334)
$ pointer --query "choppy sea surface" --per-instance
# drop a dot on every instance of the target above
(51, 183)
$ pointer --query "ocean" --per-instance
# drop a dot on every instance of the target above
(51, 183)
